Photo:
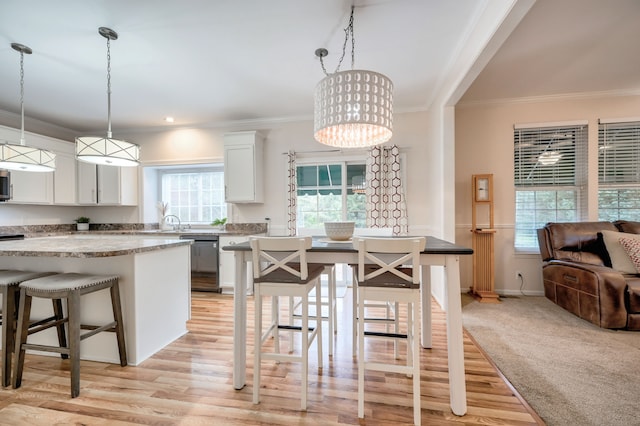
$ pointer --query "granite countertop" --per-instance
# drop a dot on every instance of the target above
(109, 229)
(87, 245)
(171, 232)
(229, 230)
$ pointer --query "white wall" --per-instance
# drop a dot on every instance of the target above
(413, 132)
(484, 144)
(189, 146)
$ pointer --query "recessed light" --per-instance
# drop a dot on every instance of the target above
(168, 119)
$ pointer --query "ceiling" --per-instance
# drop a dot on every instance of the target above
(566, 48)
(227, 61)
(205, 61)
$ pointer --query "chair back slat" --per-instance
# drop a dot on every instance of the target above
(395, 256)
(270, 254)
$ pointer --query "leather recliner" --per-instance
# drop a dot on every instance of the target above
(578, 276)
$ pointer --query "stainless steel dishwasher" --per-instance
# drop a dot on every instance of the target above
(204, 262)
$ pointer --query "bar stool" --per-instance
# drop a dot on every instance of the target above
(9, 282)
(69, 286)
(389, 271)
(330, 301)
(280, 268)
(390, 308)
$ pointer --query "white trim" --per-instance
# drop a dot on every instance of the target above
(618, 120)
(518, 126)
(550, 98)
(338, 157)
(180, 163)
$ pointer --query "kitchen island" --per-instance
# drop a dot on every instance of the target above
(155, 281)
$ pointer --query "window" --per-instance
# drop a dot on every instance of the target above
(619, 171)
(195, 195)
(330, 192)
(549, 176)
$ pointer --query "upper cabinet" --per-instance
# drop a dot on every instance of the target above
(243, 176)
(34, 187)
(107, 185)
(31, 187)
(64, 179)
(73, 182)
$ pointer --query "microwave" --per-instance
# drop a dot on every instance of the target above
(5, 185)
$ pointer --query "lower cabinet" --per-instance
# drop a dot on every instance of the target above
(227, 273)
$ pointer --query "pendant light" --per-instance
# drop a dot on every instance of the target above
(107, 151)
(21, 157)
(353, 109)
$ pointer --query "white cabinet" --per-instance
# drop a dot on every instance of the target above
(243, 176)
(227, 264)
(87, 183)
(31, 187)
(112, 185)
(64, 179)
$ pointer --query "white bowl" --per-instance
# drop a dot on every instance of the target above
(339, 231)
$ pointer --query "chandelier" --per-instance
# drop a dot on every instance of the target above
(107, 151)
(352, 109)
(20, 156)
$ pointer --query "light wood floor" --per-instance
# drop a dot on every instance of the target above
(189, 383)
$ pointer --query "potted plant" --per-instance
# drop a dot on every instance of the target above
(220, 223)
(82, 223)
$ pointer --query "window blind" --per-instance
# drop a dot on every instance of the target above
(550, 156)
(619, 153)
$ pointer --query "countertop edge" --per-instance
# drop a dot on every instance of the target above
(76, 248)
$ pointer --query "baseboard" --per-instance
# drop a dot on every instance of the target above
(511, 293)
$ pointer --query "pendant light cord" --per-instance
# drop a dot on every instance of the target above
(348, 33)
(108, 87)
(22, 140)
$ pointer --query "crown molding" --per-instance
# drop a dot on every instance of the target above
(550, 98)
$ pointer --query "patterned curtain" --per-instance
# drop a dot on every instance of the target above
(386, 204)
(292, 192)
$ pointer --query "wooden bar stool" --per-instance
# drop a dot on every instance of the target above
(9, 282)
(69, 286)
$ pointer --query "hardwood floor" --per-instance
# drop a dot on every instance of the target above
(189, 383)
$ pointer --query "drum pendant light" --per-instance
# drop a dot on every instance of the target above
(22, 157)
(107, 151)
(353, 109)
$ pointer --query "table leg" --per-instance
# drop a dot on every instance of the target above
(455, 350)
(240, 322)
(425, 293)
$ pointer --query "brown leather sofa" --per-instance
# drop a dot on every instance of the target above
(578, 275)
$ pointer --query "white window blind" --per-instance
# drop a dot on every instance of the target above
(619, 153)
(548, 156)
(619, 171)
(550, 171)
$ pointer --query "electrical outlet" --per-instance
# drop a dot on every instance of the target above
(518, 275)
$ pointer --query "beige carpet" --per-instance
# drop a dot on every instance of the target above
(570, 371)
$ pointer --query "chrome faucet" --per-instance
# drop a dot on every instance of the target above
(177, 227)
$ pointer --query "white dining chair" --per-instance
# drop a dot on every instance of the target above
(329, 300)
(389, 308)
(389, 271)
(280, 268)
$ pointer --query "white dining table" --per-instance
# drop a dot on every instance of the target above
(437, 252)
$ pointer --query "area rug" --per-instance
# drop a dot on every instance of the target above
(570, 371)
